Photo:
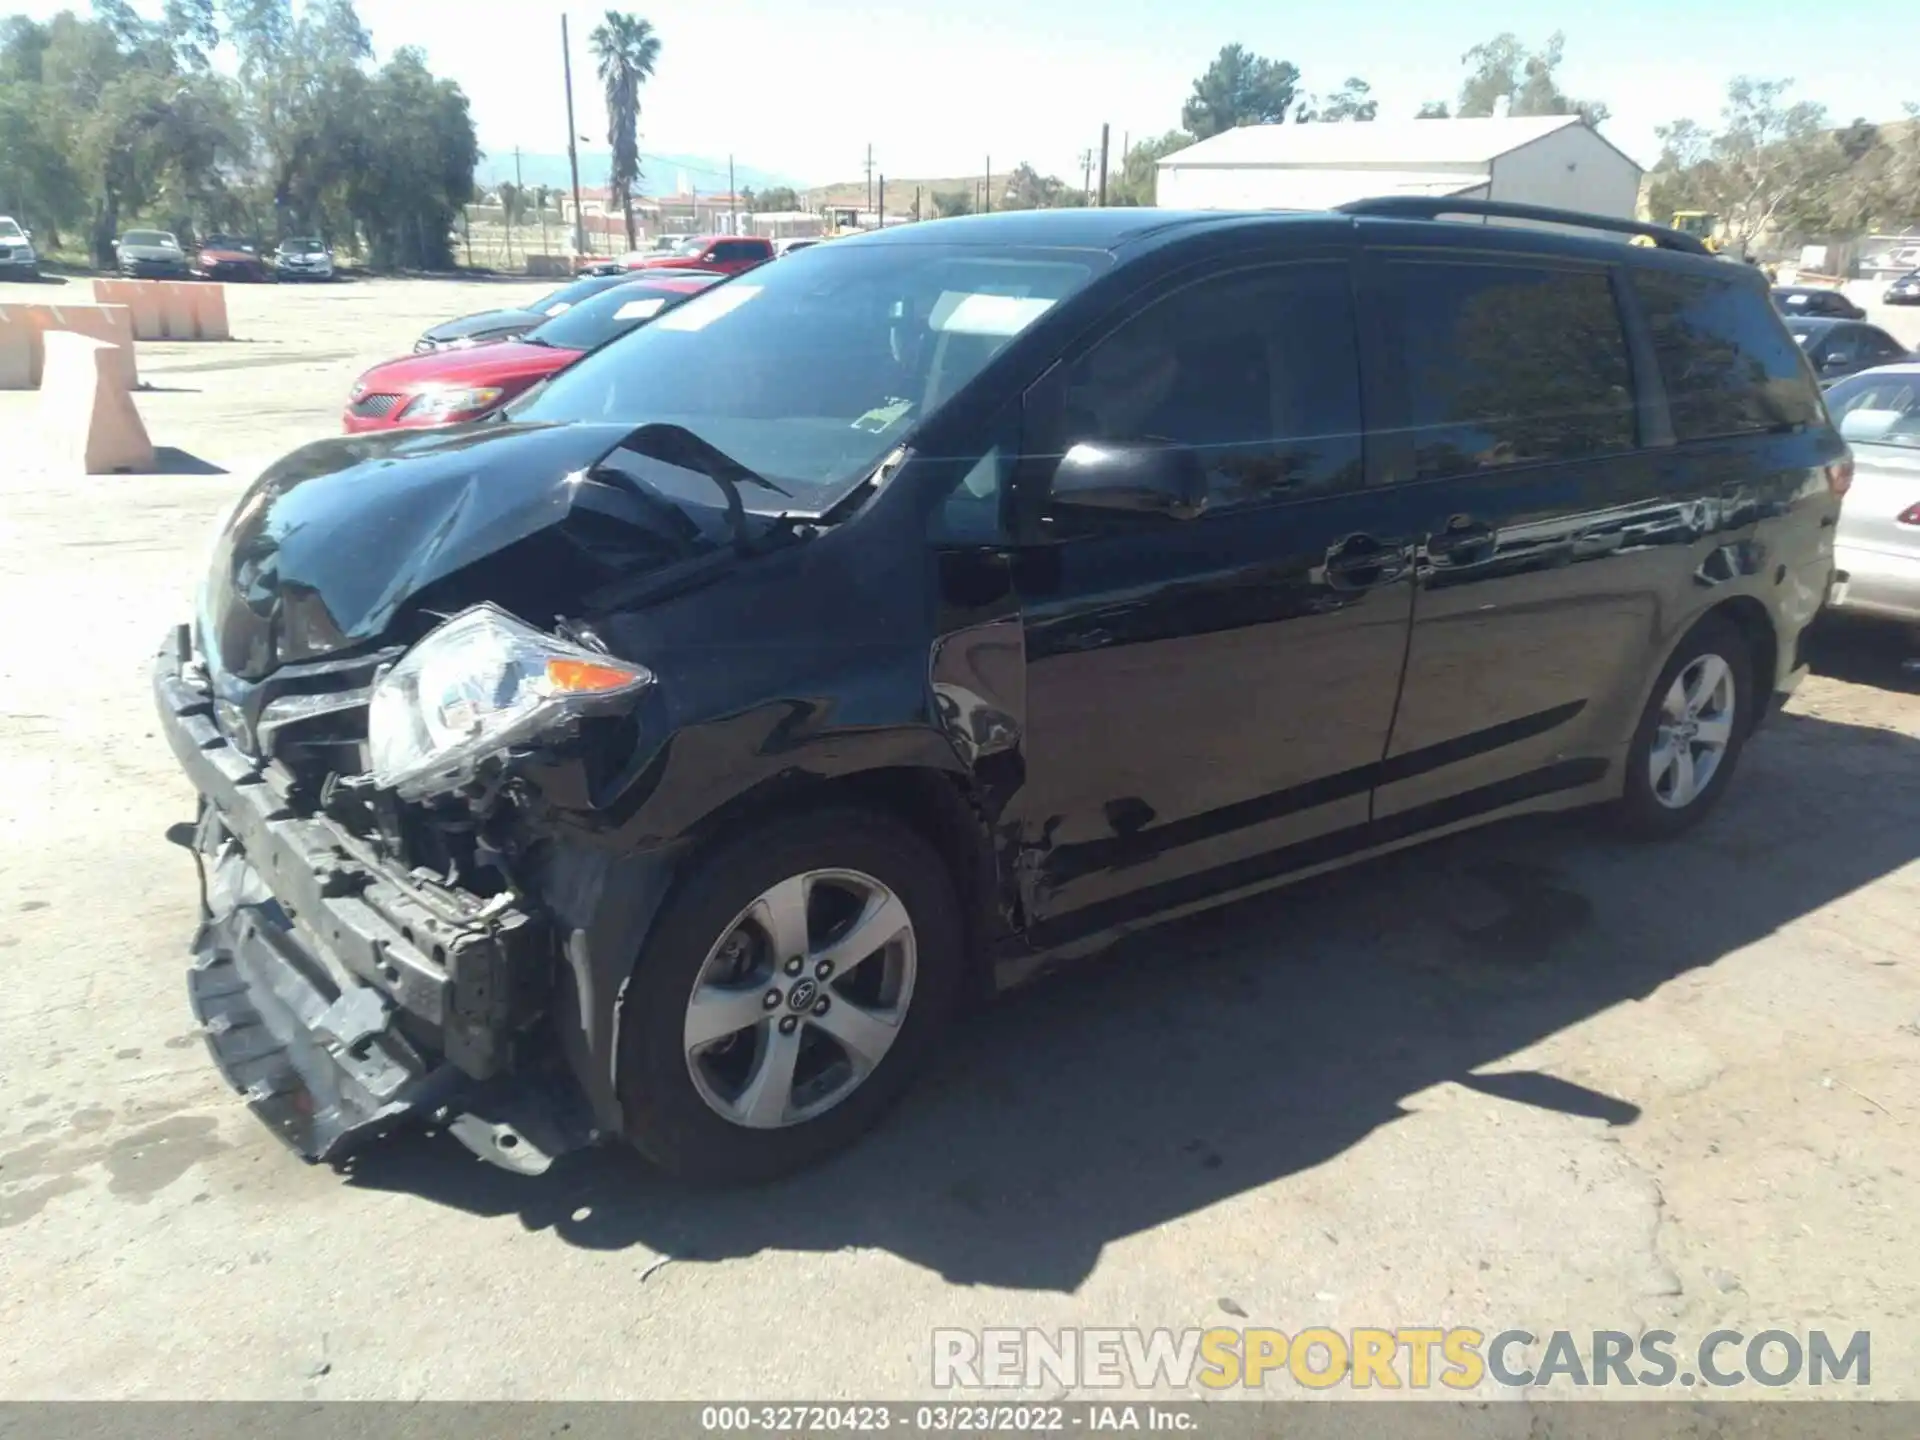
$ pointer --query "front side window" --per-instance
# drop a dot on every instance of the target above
(1727, 364)
(1257, 371)
(811, 374)
(1510, 364)
(1881, 347)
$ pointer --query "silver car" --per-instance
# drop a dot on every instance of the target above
(152, 255)
(17, 260)
(1877, 545)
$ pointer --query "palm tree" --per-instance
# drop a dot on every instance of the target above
(626, 50)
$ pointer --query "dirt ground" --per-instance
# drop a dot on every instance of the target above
(1528, 1078)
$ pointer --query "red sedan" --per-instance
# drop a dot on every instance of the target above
(447, 387)
(729, 254)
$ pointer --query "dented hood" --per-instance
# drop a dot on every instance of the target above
(324, 548)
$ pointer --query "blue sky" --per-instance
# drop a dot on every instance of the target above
(802, 86)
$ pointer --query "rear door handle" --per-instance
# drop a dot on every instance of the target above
(1461, 536)
(1361, 562)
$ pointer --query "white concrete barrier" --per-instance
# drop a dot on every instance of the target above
(141, 298)
(19, 347)
(210, 312)
(177, 311)
(87, 423)
(111, 323)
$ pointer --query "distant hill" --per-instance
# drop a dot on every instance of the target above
(659, 176)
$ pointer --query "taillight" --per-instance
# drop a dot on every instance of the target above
(1909, 516)
(1840, 476)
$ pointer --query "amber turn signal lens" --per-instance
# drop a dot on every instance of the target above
(585, 677)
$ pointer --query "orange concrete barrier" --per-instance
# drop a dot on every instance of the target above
(142, 297)
(19, 348)
(87, 421)
(111, 323)
(210, 312)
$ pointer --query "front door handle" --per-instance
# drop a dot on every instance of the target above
(1461, 542)
(1360, 562)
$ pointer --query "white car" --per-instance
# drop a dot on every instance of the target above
(304, 257)
(1876, 549)
(17, 260)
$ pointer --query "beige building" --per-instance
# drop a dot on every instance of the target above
(1555, 160)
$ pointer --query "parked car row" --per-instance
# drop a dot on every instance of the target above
(457, 382)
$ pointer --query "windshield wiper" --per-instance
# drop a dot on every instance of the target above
(536, 340)
(679, 447)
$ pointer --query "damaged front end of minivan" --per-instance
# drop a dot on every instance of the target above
(410, 739)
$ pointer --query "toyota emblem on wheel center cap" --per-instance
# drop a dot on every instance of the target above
(802, 995)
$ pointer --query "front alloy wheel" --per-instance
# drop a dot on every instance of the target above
(801, 999)
(794, 982)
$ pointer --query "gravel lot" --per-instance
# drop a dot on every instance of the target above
(1526, 1078)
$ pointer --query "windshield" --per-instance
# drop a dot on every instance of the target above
(614, 311)
(567, 296)
(692, 245)
(300, 247)
(809, 373)
(148, 237)
(1878, 408)
(11, 231)
(1806, 331)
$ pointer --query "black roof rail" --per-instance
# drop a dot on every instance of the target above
(1432, 207)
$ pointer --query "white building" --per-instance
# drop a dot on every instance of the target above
(1552, 160)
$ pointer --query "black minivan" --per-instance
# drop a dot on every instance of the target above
(668, 756)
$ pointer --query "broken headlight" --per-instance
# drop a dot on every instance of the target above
(477, 686)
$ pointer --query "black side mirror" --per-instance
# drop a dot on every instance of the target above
(1147, 477)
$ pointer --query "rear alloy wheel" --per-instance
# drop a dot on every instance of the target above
(1690, 737)
(790, 989)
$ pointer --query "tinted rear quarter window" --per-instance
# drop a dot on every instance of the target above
(1726, 361)
(1508, 364)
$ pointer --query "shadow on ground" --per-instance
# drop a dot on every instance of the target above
(1232, 1050)
(167, 460)
(1866, 652)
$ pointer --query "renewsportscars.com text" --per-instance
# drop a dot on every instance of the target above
(1401, 1358)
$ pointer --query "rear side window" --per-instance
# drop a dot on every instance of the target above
(1509, 364)
(1728, 364)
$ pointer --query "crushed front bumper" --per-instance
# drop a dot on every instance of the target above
(337, 994)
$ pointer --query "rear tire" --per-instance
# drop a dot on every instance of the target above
(1690, 737)
(698, 1107)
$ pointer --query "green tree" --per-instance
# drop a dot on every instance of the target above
(1139, 169)
(952, 202)
(1773, 167)
(1433, 110)
(1352, 101)
(626, 50)
(1239, 88)
(780, 197)
(1504, 66)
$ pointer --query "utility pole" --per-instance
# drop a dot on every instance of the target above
(881, 208)
(733, 201)
(1103, 162)
(573, 149)
(916, 202)
(869, 175)
(1086, 175)
(986, 186)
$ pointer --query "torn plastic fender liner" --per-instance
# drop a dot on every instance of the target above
(603, 902)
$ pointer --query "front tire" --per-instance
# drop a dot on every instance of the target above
(1690, 737)
(791, 990)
